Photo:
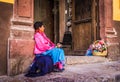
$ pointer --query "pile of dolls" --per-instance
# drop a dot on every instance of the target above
(98, 48)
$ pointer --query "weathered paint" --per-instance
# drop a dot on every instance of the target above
(21, 41)
(116, 10)
(7, 1)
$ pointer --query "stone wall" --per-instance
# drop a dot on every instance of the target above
(20, 42)
(21, 45)
(117, 28)
(116, 25)
(108, 28)
(113, 41)
(21, 55)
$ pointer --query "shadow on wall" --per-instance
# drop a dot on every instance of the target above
(6, 11)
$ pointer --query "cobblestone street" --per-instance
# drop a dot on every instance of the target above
(97, 72)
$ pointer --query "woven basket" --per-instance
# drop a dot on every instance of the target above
(104, 53)
(98, 53)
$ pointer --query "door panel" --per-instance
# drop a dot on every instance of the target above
(83, 36)
(84, 20)
(43, 11)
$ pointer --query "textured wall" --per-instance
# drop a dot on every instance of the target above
(114, 42)
(117, 27)
(21, 55)
(21, 41)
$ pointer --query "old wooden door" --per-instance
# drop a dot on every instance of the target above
(43, 11)
(84, 24)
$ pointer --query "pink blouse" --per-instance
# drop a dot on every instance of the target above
(42, 43)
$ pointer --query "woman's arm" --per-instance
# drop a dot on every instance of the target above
(51, 43)
(41, 44)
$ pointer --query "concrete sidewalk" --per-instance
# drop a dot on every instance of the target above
(94, 72)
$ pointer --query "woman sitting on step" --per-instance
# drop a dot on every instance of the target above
(45, 47)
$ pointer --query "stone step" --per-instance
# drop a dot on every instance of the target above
(110, 31)
(80, 52)
(70, 52)
(70, 60)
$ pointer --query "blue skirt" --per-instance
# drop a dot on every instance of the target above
(57, 55)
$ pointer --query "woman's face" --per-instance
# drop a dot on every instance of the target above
(42, 28)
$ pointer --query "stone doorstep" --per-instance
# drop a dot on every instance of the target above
(70, 60)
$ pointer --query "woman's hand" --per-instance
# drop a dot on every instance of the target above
(59, 45)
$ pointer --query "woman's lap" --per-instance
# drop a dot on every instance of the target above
(57, 54)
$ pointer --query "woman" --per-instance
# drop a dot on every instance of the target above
(48, 57)
(43, 46)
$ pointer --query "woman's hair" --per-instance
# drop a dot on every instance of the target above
(37, 24)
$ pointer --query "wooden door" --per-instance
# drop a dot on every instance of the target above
(43, 11)
(84, 24)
